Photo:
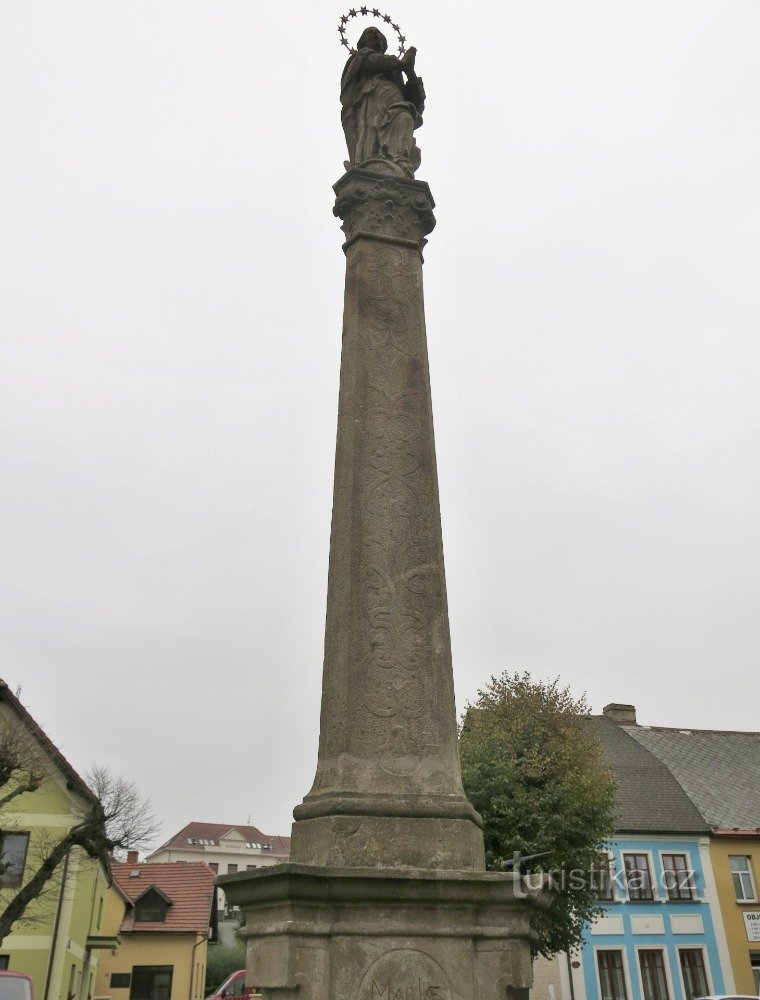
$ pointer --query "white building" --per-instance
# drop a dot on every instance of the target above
(225, 848)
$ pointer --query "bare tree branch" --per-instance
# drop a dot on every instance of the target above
(22, 763)
(130, 821)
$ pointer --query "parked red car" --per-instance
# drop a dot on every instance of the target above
(15, 986)
(232, 987)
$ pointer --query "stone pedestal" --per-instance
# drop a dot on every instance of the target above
(386, 897)
(357, 934)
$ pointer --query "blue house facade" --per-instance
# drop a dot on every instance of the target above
(661, 934)
(657, 939)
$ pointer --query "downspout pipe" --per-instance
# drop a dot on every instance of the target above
(56, 927)
(570, 975)
(192, 964)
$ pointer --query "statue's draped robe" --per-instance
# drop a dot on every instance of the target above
(379, 112)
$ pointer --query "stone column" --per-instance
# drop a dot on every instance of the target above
(385, 896)
(388, 789)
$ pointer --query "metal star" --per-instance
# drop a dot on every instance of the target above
(375, 12)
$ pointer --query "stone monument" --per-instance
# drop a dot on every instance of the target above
(385, 896)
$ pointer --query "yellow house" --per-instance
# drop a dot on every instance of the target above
(735, 858)
(164, 915)
(60, 936)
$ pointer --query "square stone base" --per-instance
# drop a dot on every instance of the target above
(365, 934)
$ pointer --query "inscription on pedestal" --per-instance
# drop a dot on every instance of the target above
(404, 974)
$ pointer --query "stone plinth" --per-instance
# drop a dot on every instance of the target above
(319, 933)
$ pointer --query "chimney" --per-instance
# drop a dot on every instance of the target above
(624, 715)
(132, 855)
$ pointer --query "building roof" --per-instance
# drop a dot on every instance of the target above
(187, 885)
(649, 799)
(73, 779)
(192, 836)
(717, 769)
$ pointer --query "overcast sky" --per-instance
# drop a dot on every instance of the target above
(171, 282)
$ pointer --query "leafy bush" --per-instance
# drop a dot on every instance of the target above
(222, 961)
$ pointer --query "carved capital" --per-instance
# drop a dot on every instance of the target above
(386, 208)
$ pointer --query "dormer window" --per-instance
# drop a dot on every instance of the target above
(151, 907)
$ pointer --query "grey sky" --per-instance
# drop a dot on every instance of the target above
(170, 300)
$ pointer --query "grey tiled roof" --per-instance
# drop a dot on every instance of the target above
(649, 799)
(720, 771)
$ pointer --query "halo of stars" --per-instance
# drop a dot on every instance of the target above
(369, 12)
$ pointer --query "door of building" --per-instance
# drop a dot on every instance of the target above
(151, 982)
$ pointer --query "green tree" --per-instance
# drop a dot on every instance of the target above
(221, 962)
(536, 773)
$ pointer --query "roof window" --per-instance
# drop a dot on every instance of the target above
(151, 907)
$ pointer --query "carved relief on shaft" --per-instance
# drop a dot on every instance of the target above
(402, 642)
(387, 649)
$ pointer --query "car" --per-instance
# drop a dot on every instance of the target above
(15, 985)
(728, 996)
(234, 986)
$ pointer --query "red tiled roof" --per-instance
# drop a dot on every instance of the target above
(215, 831)
(188, 884)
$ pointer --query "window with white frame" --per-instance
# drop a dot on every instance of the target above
(693, 972)
(653, 980)
(638, 878)
(13, 847)
(602, 878)
(754, 961)
(611, 974)
(744, 883)
(677, 876)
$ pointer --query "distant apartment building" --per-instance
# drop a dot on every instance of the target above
(224, 848)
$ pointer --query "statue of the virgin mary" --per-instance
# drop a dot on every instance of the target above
(380, 110)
